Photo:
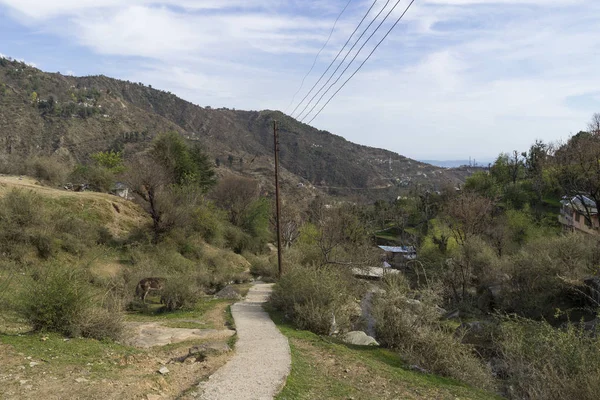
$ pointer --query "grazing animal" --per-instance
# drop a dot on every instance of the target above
(146, 285)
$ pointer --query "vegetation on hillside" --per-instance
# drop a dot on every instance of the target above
(500, 296)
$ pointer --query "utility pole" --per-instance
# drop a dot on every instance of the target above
(277, 200)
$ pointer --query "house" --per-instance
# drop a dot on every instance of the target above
(121, 190)
(579, 213)
(398, 256)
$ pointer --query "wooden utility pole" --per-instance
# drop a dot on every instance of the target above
(277, 200)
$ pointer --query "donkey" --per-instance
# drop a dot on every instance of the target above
(146, 285)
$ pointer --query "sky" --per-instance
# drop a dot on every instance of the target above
(455, 79)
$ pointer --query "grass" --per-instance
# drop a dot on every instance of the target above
(101, 358)
(155, 312)
(325, 368)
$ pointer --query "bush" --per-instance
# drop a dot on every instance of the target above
(48, 169)
(319, 299)
(98, 178)
(550, 364)
(263, 266)
(180, 293)
(413, 328)
(59, 300)
(540, 271)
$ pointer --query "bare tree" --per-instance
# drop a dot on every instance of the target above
(148, 181)
(577, 167)
(236, 195)
(594, 124)
(468, 214)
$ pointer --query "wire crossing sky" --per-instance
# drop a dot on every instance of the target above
(341, 50)
(456, 78)
(355, 56)
(361, 65)
(318, 54)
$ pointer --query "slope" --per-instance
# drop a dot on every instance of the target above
(45, 113)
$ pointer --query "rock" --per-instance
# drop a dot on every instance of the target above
(33, 364)
(419, 369)
(454, 314)
(153, 397)
(474, 327)
(81, 380)
(359, 338)
(163, 371)
(413, 302)
(228, 292)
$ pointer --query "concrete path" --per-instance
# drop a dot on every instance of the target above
(262, 359)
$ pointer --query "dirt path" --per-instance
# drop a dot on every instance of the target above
(262, 361)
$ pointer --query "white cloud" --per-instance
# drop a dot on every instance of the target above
(457, 77)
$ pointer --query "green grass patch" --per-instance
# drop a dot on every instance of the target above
(54, 351)
(325, 368)
(155, 312)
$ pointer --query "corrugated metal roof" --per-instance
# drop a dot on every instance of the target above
(398, 249)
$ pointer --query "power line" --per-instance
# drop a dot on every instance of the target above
(363, 63)
(340, 52)
(352, 61)
(318, 54)
(349, 64)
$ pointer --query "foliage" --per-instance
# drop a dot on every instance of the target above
(58, 299)
(187, 166)
(542, 362)
(319, 299)
(180, 293)
(414, 329)
(48, 169)
(111, 160)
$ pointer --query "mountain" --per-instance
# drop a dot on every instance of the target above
(458, 163)
(49, 113)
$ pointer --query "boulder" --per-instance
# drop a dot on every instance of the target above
(228, 292)
(359, 338)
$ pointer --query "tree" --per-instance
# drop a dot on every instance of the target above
(468, 214)
(187, 166)
(149, 183)
(577, 170)
(236, 195)
(111, 160)
(508, 168)
(594, 124)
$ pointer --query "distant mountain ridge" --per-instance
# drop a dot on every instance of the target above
(45, 113)
(458, 163)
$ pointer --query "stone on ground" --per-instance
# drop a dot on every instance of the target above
(359, 338)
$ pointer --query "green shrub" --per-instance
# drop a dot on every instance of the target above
(59, 299)
(98, 178)
(180, 293)
(319, 299)
(209, 221)
(413, 328)
(263, 266)
(545, 363)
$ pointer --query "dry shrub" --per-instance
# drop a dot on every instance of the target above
(538, 273)
(319, 299)
(180, 293)
(545, 363)
(413, 328)
(49, 170)
(263, 266)
(59, 299)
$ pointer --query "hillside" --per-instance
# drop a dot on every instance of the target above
(44, 113)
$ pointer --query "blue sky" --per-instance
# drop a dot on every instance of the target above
(456, 78)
